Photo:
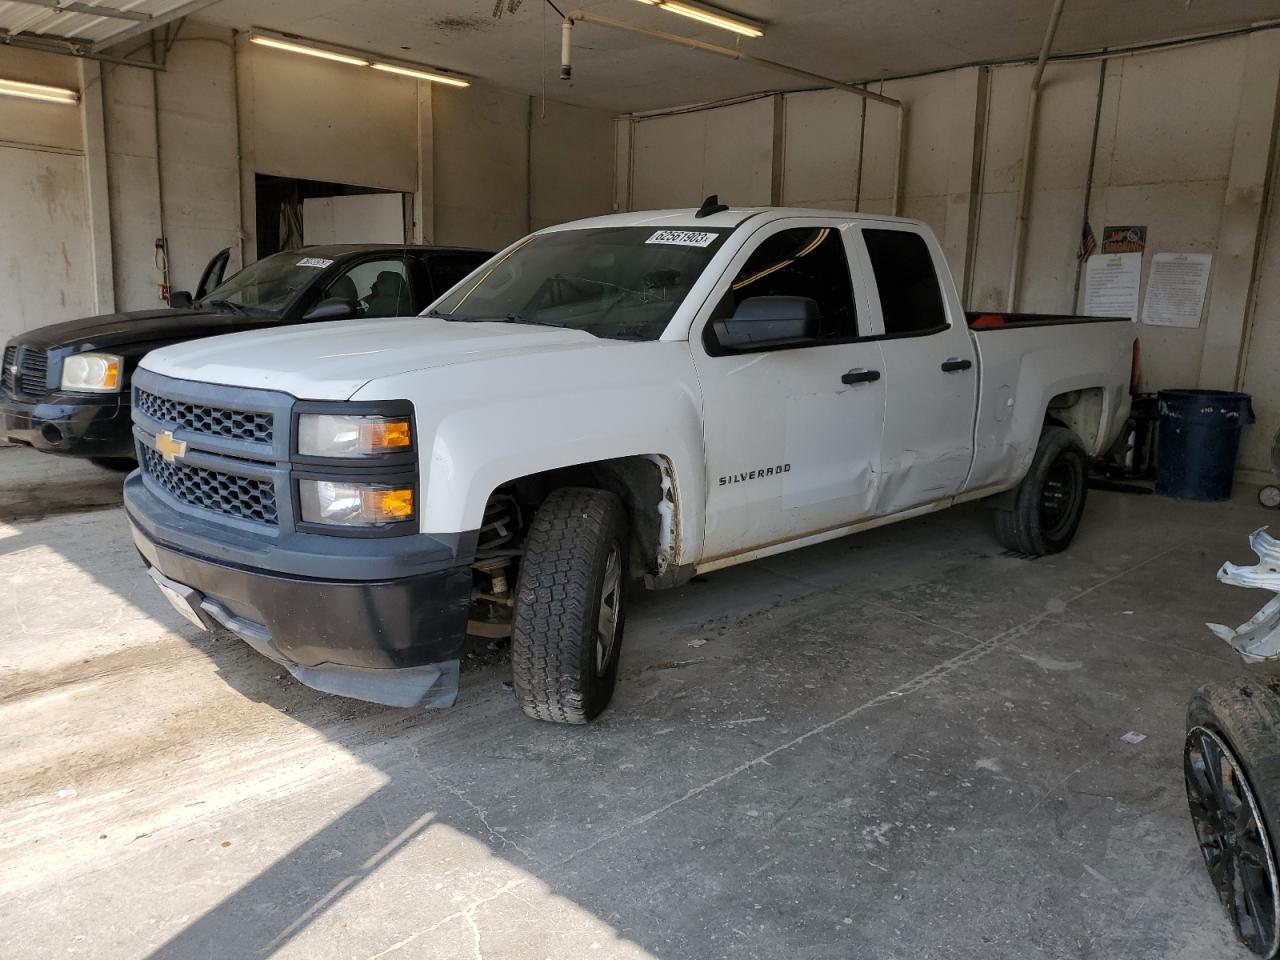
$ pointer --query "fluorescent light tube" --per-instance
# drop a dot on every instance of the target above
(422, 74)
(37, 91)
(716, 19)
(292, 47)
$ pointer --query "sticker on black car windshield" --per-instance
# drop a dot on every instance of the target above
(683, 238)
(319, 262)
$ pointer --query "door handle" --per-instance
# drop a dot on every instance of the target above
(859, 375)
(954, 364)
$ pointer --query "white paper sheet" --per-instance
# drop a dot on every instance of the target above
(1176, 289)
(1111, 285)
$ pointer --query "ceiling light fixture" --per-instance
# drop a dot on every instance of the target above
(291, 47)
(709, 15)
(423, 74)
(355, 58)
(37, 91)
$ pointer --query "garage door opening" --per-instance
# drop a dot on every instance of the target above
(292, 212)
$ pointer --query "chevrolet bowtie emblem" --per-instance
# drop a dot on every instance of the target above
(168, 447)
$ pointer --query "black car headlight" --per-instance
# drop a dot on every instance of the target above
(93, 372)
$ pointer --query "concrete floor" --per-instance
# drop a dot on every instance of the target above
(899, 745)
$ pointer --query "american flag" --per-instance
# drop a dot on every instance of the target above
(1088, 244)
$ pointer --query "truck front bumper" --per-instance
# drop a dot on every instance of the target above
(76, 427)
(389, 629)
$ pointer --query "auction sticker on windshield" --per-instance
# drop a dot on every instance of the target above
(319, 262)
(683, 238)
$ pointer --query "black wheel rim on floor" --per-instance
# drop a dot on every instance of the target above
(1233, 839)
(1060, 498)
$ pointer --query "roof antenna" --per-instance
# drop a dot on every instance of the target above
(711, 206)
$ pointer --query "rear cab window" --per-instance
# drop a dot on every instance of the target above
(910, 295)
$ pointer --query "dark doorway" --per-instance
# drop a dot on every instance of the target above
(279, 213)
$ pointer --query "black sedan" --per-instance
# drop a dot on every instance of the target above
(64, 388)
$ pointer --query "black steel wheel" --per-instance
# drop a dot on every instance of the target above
(1232, 772)
(1041, 515)
(1061, 496)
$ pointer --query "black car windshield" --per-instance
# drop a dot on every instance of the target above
(268, 286)
(615, 282)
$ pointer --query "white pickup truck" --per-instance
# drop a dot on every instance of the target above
(634, 397)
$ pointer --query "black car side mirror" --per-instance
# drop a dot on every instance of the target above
(335, 308)
(180, 300)
(770, 322)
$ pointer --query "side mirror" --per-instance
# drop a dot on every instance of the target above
(770, 322)
(335, 308)
(180, 300)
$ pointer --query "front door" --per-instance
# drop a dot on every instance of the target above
(793, 433)
(214, 271)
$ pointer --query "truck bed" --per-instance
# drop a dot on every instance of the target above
(1077, 368)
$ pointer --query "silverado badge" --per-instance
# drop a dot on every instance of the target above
(168, 447)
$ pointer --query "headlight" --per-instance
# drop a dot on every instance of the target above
(354, 504)
(96, 372)
(331, 435)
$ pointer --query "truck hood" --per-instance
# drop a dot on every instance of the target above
(331, 361)
(158, 326)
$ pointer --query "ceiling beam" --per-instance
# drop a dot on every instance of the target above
(72, 6)
(70, 47)
(156, 20)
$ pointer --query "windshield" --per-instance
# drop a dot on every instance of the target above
(615, 282)
(269, 285)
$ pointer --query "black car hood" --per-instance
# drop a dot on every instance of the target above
(140, 327)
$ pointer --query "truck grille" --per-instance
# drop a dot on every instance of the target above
(32, 366)
(222, 492)
(6, 371)
(214, 421)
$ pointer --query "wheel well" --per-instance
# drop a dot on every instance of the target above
(1080, 411)
(646, 486)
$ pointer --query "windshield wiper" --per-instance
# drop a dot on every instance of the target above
(509, 318)
(234, 307)
(517, 318)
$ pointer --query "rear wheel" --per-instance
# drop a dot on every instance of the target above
(1232, 770)
(1269, 496)
(1048, 504)
(569, 612)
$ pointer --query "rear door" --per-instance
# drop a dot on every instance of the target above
(931, 374)
(791, 448)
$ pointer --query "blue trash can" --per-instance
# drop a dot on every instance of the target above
(1198, 442)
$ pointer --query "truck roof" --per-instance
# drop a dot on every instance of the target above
(336, 251)
(733, 217)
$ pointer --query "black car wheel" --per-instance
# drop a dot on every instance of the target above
(1231, 762)
(1044, 510)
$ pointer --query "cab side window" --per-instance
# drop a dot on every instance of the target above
(910, 297)
(800, 262)
(380, 288)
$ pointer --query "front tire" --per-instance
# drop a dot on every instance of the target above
(1231, 763)
(1048, 504)
(569, 611)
